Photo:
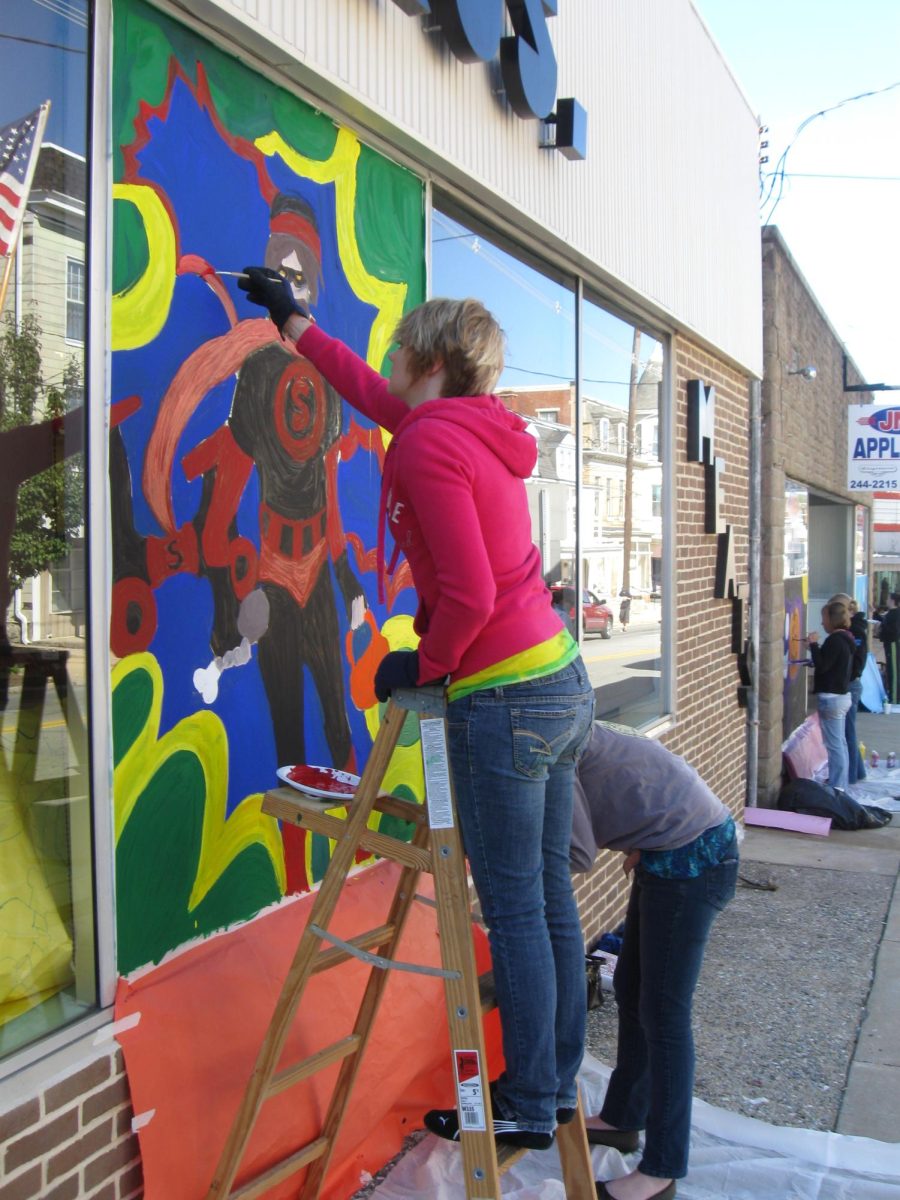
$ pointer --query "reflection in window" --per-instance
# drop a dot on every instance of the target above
(74, 301)
(537, 313)
(622, 376)
(619, 547)
(47, 959)
(796, 529)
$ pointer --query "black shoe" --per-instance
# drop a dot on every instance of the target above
(565, 1115)
(444, 1123)
(626, 1141)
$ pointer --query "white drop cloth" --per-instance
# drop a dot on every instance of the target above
(733, 1157)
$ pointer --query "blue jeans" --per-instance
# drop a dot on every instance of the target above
(857, 768)
(666, 929)
(513, 752)
(833, 708)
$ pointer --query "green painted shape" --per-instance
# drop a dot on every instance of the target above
(157, 857)
(146, 40)
(390, 205)
(131, 251)
(132, 700)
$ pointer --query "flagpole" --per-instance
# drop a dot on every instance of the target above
(44, 113)
(7, 272)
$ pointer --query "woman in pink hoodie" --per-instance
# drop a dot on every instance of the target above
(520, 704)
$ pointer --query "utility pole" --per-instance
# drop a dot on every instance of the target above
(629, 462)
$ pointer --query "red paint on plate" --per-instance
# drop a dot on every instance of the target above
(326, 779)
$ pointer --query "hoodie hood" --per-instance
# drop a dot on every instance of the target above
(504, 433)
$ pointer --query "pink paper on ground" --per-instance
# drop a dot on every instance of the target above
(203, 1016)
(777, 818)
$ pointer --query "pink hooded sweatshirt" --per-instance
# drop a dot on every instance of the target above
(453, 495)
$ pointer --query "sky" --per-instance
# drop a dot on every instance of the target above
(792, 59)
(31, 73)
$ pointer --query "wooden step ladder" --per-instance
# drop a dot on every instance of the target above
(436, 848)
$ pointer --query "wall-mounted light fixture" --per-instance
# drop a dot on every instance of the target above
(808, 372)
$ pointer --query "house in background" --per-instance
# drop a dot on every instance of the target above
(48, 279)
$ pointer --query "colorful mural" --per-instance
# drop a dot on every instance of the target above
(244, 614)
(797, 677)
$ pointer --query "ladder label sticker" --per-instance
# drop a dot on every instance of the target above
(437, 773)
(469, 1091)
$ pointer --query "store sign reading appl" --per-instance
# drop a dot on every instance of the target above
(473, 29)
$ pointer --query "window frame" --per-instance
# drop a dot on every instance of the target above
(76, 306)
(441, 196)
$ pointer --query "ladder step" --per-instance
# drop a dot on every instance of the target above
(487, 992)
(289, 805)
(316, 1062)
(259, 1185)
(393, 806)
(508, 1156)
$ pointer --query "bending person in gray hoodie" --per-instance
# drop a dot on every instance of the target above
(680, 843)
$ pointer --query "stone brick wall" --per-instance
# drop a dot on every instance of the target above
(804, 438)
(74, 1140)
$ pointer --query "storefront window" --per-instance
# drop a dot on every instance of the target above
(613, 543)
(796, 529)
(47, 959)
(622, 556)
(537, 312)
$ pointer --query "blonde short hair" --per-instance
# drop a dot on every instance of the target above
(838, 614)
(462, 335)
(845, 599)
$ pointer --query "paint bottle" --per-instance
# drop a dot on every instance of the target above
(873, 761)
(891, 760)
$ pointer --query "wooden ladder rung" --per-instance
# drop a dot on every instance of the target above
(316, 1062)
(281, 803)
(404, 810)
(283, 1170)
(508, 1156)
(487, 992)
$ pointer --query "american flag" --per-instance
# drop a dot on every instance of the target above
(19, 146)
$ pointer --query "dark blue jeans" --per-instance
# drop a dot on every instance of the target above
(513, 752)
(857, 769)
(666, 930)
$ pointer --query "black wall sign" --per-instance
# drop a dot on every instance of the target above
(473, 29)
(701, 443)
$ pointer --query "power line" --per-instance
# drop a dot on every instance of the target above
(778, 175)
(72, 11)
(11, 37)
(818, 175)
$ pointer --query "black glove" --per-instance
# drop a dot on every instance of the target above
(268, 289)
(398, 669)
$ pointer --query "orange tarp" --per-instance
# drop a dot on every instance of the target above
(205, 1011)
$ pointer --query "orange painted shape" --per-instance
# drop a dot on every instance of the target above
(203, 1016)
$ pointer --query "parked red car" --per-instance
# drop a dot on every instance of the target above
(596, 615)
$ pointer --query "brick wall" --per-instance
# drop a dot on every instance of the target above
(804, 438)
(710, 729)
(73, 1141)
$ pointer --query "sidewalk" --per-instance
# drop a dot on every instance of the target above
(871, 1100)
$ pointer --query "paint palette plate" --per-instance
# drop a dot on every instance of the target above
(328, 783)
